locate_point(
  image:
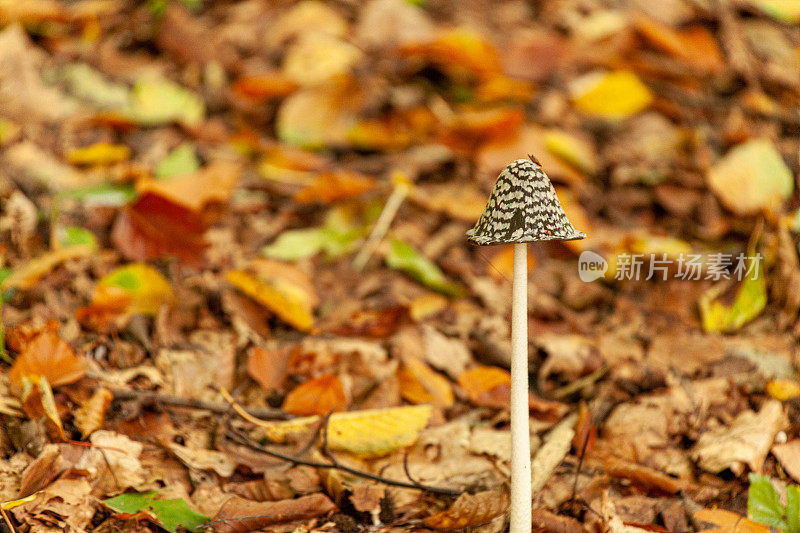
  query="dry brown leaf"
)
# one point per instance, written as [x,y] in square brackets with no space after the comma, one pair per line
[746,442]
[213,184]
[470,510]
[201,459]
[320,396]
[267,366]
[238,515]
[788,455]
[30,273]
[65,505]
[90,415]
[49,356]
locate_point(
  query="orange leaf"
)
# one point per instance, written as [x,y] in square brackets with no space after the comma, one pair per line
[264,87]
[729,522]
[502,88]
[154,226]
[49,356]
[318,396]
[267,367]
[375,323]
[421,384]
[332,186]
[487,386]
[459,51]
[474,128]
[694,45]
[213,184]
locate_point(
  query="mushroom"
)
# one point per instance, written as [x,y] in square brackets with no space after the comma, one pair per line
[522,208]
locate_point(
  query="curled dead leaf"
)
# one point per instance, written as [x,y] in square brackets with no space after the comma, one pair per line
[90,415]
[238,515]
[47,355]
[470,510]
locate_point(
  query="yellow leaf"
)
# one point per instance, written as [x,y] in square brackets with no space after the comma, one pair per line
[426,306]
[573,150]
[750,298]
[99,154]
[29,274]
[369,433]
[316,58]
[143,288]
[421,384]
[10,505]
[290,301]
[783,389]
[729,522]
[461,203]
[611,95]
[785,10]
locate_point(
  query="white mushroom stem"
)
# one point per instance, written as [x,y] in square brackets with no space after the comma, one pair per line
[520,421]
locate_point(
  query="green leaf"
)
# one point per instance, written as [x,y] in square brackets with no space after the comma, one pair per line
[179,162]
[168,513]
[750,299]
[160,101]
[793,509]
[72,236]
[404,258]
[106,194]
[295,244]
[762,503]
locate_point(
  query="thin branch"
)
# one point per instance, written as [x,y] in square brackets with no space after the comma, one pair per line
[177,401]
[334,464]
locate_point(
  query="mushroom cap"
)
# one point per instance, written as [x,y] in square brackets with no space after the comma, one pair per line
[523,207]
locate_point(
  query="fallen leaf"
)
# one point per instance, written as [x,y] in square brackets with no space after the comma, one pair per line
[555,447]
[202,459]
[403,257]
[783,389]
[472,129]
[745,442]
[420,384]
[788,455]
[610,95]
[238,515]
[785,10]
[212,185]
[160,101]
[89,417]
[317,117]
[485,386]
[180,161]
[37,402]
[368,433]
[459,52]
[292,300]
[99,154]
[65,505]
[749,300]
[308,15]
[316,58]
[375,323]
[460,203]
[169,514]
[470,510]
[139,286]
[331,186]
[751,177]
[74,236]
[48,356]
[729,522]
[264,87]
[29,274]
[319,396]
[154,226]
[573,150]
[267,366]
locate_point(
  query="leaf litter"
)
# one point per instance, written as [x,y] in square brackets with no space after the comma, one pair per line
[271,198]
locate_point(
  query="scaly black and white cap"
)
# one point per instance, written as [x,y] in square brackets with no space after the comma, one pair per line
[523,207]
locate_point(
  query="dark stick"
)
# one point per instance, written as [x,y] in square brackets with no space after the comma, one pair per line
[334,464]
[176,401]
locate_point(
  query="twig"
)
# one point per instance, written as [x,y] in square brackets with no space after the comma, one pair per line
[578,468]
[399,193]
[7,520]
[334,464]
[176,401]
